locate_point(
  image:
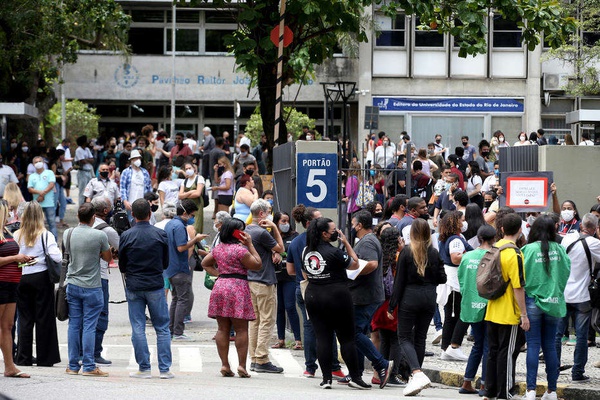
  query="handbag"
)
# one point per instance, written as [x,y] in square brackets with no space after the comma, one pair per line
[54,267]
[195,262]
[366,194]
[60,295]
[209,281]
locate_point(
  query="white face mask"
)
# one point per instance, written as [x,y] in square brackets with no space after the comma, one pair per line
[501,139]
[308,137]
[464,227]
[38,165]
[13,146]
[270,217]
[137,163]
[285,228]
[523,138]
[215,228]
[530,220]
[25,149]
[189,172]
[567,215]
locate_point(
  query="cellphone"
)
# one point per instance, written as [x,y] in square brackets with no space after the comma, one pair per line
[238,235]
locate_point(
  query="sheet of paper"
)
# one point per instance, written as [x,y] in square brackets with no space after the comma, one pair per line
[352,274]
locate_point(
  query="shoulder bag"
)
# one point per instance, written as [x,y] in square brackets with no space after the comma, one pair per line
[54,267]
[60,296]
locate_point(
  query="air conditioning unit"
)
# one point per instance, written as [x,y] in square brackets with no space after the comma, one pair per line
[555,81]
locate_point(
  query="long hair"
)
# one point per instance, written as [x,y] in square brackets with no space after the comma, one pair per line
[32,224]
[315,231]
[164,173]
[226,232]
[3,218]
[227,163]
[420,240]
[543,231]
[389,245]
[474,218]
[449,225]
[12,195]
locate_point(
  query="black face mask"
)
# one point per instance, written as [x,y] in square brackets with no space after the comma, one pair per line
[438,140]
[485,153]
[424,216]
[487,204]
[378,215]
[220,170]
[104,174]
[334,237]
[465,143]
[154,207]
[249,172]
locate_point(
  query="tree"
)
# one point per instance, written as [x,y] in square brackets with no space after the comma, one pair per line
[294,121]
[81,120]
[37,36]
[317,24]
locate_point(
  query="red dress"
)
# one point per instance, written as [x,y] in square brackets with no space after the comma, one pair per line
[230,297]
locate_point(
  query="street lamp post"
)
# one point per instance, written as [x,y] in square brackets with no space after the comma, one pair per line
[346,90]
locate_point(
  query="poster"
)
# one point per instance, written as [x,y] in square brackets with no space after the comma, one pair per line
[526,191]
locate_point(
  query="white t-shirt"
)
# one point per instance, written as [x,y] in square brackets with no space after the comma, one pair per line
[192,144]
[586,143]
[66,164]
[190,182]
[136,190]
[576,290]
[6,175]
[489,183]
[83,154]
[171,190]
[472,183]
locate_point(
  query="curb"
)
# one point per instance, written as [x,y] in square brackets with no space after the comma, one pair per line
[568,392]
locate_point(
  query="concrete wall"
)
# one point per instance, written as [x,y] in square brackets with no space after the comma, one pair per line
[575,173]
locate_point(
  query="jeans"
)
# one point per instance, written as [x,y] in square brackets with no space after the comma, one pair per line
[83,178]
[85,305]
[542,333]
[61,200]
[479,353]
[50,213]
[310,340]
[437,319]
[286,301]
[181,284]
[363,315]
[102,320]
[156,302]
[582,313]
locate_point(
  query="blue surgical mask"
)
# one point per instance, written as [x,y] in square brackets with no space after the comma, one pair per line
[496,171]
[174,176]
[372,172]
[270,202]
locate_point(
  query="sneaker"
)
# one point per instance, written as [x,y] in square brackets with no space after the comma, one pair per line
[339,374]
[102,361]
[396,381]
[306,373]
[455,354]
[96,372]
[359,384]
[384,374]
[69,200]
[148,321]
[549,396]
[325,384]
[581,379]
[428,354]
[375,381]
[71,372]
[182,338]
[417,382]
[571,342]
[268,367]
[530,395]
[253,367]
[141,374]
[596,365]
[564,339]
[187,319]
[565,367]
[166,375]
[470,338]
[345,380]
[438,339]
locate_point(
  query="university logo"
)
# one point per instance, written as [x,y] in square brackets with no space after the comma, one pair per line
[314,263]
[126,76]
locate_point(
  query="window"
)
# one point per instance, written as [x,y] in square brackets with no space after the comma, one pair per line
[215,41]
[392,30]
[506,33]
[186,40]
[148,15]
[185,16]
[590,38]
[146,40]
[426,38]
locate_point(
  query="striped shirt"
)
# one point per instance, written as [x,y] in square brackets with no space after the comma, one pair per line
[9,272]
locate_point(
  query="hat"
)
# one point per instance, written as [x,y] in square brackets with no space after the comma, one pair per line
[135,154]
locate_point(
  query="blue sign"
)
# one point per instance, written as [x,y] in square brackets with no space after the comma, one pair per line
[462,104]
[316,179]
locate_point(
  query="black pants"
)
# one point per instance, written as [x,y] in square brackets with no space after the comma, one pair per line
[415,312]
[331,311]
[35,302]
[454,329]
[504,343]
[390,348]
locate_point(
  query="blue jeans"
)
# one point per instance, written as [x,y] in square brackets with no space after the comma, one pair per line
[286,301]
[310,340]
[363,314]
[542,333]
[102,320]
[85,305]
[61,199]
[159,314]
[582,313]
[437,319]
[50,213]
[478,354]
[83,178]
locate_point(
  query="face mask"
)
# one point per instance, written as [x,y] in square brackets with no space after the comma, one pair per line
[112,168]
[438,140]
[530,220]
[270,217]
[431,151]
[13,146]
[372,137]
[104,174]
[464,227]
[372,172]
[501,139]
[220,170]
[567,215]
[25,149]
[334,237]
[243,154]
[447,186]
[386,143]
[496,171]
[424,216]
[485,153]
[249,172]
[137,163]
[309,138]
[215,228]
[121,141]
[465,143]
[522,138]
[378,215]
[154,207]
[487,204]
[189,172]
[270,202]
[468,171]
[174,176]
[285,228]
[38,165]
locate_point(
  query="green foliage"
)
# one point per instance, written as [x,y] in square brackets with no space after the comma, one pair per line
[295,120]
[81,120]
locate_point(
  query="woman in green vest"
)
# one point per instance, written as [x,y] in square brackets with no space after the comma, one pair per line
[547,268]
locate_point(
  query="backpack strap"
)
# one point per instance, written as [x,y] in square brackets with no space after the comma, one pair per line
[586,248]
[102,226]
[519,260]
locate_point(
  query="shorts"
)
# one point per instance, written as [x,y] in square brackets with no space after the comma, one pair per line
[8,292]
[226,200]
[167,284]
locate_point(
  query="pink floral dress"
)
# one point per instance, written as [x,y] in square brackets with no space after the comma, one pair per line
[230,297]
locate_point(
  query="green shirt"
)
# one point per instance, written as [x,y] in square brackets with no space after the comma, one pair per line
[472,306]
[86,245]
[547,288]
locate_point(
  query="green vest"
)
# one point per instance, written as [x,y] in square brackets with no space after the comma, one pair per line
[472,306]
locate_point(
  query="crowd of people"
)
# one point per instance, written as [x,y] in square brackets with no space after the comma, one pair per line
[373,285]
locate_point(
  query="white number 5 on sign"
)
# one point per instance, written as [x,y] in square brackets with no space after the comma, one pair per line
[314,181]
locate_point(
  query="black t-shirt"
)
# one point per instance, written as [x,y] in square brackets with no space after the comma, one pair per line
[326,265]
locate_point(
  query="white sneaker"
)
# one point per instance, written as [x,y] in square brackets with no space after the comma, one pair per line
[141,374]
[530,395]
[456,354]
[417,382]
[438,339]
[549,396]
[166,375]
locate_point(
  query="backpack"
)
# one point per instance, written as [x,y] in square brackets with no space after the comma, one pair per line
[366,194]
[120,221]
[205,199]
[490,282]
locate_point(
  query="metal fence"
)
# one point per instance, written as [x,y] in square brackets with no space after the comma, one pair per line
[520,158]
[284,176]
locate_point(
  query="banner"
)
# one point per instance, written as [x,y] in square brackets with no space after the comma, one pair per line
[462,104]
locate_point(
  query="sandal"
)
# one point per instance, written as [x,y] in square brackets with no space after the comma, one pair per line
[227,372]
[298,346]
[279,345]
[243,373]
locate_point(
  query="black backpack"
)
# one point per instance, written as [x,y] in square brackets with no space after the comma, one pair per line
[120,221]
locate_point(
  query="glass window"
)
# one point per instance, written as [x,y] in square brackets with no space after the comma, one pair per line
[148,111]
[215,40]
[392,30]
[146,40]
[424,38]
[109,110]
[186,40]
[590,38]
[506,33]
[219,17]
[219,112]
[148,15]
[185,16]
